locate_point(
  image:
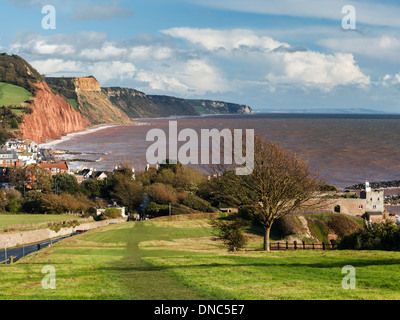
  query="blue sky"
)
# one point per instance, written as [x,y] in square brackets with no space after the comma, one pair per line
[271,55]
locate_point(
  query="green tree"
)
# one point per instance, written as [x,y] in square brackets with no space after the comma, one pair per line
[14,124]
[231,232]
[127,190]
[91,187]
[65,182]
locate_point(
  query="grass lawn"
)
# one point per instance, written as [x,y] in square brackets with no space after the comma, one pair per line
[157,260]
[30,221]
[12,95]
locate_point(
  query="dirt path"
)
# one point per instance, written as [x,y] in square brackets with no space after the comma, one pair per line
[307,229]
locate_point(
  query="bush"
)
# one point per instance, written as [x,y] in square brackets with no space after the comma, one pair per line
[381,236]
[161,193]
[231,232]
[112,213]
[155,210]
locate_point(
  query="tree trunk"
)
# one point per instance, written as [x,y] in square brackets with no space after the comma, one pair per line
[266,239]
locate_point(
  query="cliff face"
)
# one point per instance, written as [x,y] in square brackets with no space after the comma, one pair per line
[218,107]
[137,104]
[51,118]
[88,98]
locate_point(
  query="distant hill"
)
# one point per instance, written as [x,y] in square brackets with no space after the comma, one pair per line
[137,104]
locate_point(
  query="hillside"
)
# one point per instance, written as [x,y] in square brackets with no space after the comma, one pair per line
[42,115]
[137,104]
[86,96]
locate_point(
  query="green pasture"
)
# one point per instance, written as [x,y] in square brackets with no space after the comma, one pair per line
[157,260]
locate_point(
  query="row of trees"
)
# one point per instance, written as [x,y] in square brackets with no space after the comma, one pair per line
[281,183]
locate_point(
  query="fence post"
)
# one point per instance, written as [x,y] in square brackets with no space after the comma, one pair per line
[278,246]
[313,246]
[323,245]
[287,245]
[304,245]
[295,245]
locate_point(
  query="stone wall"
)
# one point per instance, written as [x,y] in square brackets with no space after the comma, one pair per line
[17,238]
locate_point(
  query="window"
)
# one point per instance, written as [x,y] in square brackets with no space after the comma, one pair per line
[374,206]
[360,206]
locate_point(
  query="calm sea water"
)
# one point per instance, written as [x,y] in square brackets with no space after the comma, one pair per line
[345,149]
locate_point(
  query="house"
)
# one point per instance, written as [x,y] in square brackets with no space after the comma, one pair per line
[100,175]
[10,159]
[55,167]
[20,145]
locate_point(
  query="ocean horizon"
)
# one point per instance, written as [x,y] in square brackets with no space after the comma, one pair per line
[345,149]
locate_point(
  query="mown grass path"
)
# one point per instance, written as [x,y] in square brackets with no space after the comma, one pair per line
[144,281]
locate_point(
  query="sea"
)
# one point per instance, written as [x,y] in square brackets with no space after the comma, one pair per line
[345,149]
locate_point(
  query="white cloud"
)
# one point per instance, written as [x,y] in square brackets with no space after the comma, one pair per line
[192,77]
[54,66]
[279,62]
[228,40]
[317,69]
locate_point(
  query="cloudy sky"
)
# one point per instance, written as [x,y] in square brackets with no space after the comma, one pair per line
[272,55]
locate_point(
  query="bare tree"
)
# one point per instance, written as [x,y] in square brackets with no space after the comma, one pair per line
[281,183]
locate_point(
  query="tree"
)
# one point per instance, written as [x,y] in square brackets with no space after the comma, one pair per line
[91,187]
[127,190]
[161,193]
[231,232]
[65,182]
[281,183]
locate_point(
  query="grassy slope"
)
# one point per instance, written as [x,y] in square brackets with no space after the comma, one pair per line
[150,260]
[30,221]
[12,95]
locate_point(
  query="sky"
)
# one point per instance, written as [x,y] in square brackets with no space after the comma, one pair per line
[271,55]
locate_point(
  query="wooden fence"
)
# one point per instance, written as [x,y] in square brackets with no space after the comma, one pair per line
[8,261]
[301,246]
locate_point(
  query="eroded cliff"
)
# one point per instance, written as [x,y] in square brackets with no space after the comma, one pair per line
[86,95]
[52,117]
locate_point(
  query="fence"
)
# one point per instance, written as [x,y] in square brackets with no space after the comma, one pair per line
[8,261]
[301,246]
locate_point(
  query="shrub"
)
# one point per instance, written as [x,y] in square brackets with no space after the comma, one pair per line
[381,236]
[161,193]
[231,232]
[155,210]
[112,213]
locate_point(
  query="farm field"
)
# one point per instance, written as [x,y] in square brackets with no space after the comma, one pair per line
[12,95]
[178,260]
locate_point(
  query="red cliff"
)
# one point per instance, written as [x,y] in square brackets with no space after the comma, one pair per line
[52,117]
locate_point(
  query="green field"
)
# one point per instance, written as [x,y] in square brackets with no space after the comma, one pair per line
[12,95]
[157,260]
[30,221]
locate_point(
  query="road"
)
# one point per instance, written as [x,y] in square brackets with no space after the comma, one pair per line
[20,252]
